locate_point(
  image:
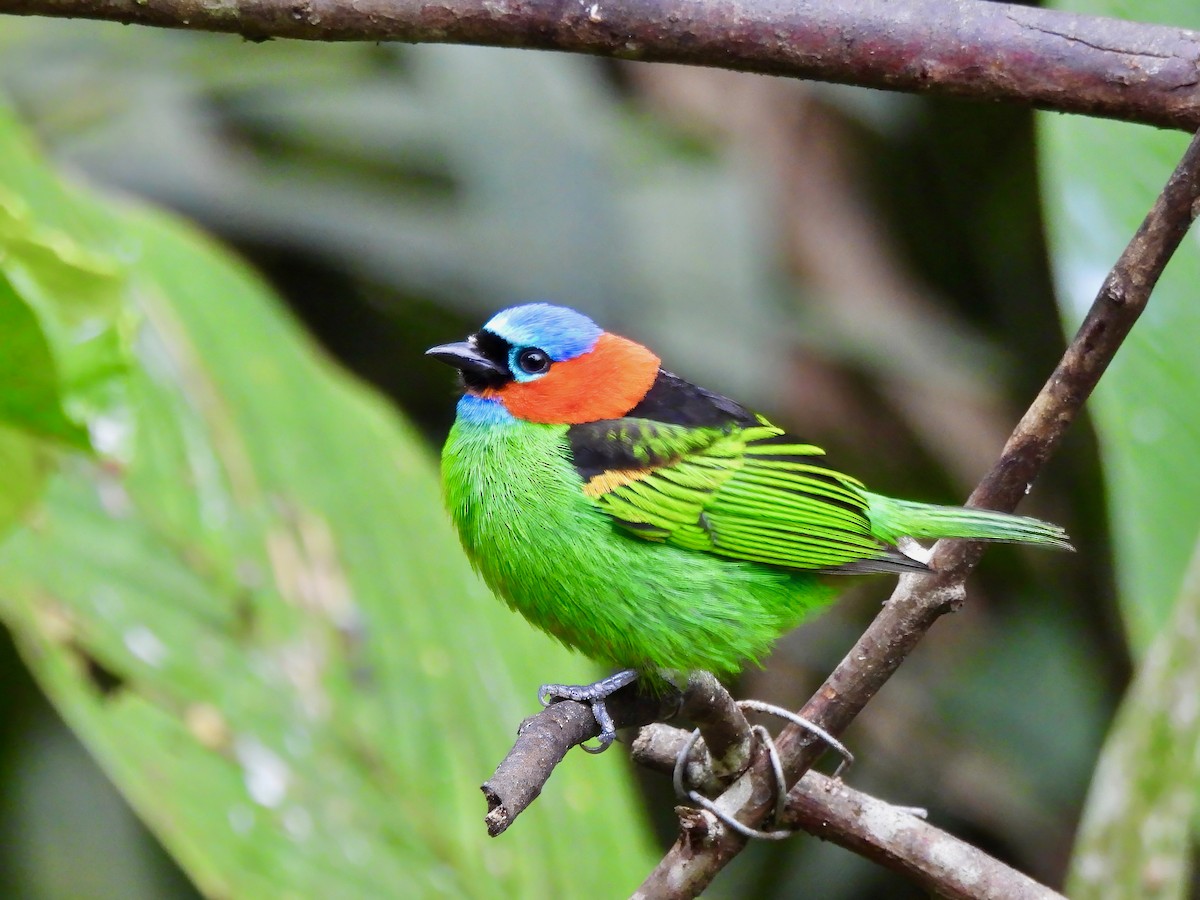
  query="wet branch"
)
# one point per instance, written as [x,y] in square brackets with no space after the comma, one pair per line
[919,601]
[968,48]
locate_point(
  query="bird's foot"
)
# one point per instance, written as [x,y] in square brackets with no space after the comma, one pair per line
[594,694]
[781,789]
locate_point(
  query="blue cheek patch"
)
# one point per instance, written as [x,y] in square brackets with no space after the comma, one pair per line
[475,410]
[563,333]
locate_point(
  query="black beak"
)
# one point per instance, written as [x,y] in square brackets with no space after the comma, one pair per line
[464,357]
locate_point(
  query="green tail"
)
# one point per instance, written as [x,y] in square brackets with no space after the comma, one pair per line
[892,519]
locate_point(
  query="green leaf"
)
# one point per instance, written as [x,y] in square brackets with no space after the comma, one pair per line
[66,320]
[1135,837]
[29,384]
[65,323]
[262,625]
[24,464]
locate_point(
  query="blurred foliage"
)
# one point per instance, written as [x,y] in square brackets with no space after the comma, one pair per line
[875,275]
[1148,437]
[417,170]
[1136,835]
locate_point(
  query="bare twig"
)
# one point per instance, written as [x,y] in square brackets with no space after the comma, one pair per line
[969,48]
[920,600]
[543,740]
[889,835]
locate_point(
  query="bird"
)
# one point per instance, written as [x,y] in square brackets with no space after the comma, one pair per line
[652,524]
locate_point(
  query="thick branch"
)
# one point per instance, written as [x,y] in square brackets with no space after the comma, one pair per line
[918,601]
[886,834]
[968,48]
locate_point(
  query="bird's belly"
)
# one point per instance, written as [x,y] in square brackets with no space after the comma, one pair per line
[561,562]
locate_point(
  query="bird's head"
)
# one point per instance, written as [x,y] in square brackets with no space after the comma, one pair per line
[552,365]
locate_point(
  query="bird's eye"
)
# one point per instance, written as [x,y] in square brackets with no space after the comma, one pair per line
[533,361]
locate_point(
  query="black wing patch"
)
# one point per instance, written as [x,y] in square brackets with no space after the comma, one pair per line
[678,402]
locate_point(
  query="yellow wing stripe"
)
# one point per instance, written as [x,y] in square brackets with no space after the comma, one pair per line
[607,482]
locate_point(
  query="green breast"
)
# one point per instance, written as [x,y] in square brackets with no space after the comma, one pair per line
[556,558]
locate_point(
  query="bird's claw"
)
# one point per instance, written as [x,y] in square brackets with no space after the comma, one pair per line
[594,695]
[608,731]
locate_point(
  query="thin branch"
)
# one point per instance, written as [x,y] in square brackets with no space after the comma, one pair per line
[889,835]
[967,48]
[543,740]
[919,601]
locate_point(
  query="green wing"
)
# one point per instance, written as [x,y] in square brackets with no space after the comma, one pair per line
[752,493]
